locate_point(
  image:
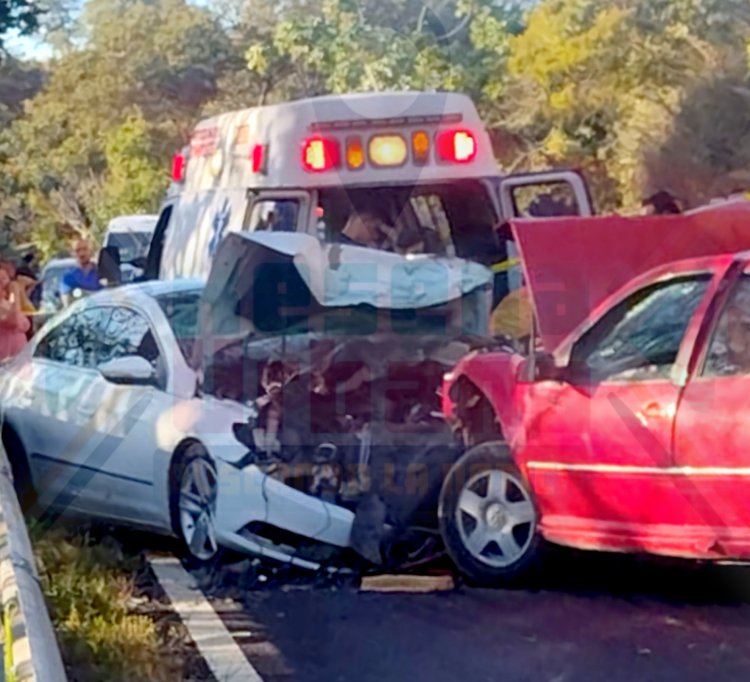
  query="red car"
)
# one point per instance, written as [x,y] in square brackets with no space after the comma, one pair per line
[630,432]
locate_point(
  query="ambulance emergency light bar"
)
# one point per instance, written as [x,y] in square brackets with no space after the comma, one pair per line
[321,153]
[387,150]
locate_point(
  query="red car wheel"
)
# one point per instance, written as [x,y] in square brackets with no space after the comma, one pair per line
[488,518]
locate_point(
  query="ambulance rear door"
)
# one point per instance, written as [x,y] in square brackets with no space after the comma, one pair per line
[529,195]
[544,194]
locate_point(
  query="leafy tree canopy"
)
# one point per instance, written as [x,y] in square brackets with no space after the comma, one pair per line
[640,94]
[119,106]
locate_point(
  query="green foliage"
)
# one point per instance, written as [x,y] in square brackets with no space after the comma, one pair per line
[368,45]
[89,589]
[627,90]
[111,114]
[599,83]
[58,24]
[135,179]
[18,82]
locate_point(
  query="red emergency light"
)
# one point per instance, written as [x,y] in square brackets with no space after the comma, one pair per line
[179,164]
[456,146]
[258,158]
[320,154]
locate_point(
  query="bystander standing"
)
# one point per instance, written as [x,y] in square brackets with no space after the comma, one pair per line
[84,277]
[13,323]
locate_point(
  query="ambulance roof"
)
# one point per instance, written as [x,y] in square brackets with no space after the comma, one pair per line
[265,147]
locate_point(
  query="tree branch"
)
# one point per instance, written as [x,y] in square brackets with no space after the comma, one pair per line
[422,17]
[457,29]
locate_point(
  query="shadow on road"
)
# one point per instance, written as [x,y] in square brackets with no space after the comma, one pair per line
[573,572]
[633,577]
[588,617]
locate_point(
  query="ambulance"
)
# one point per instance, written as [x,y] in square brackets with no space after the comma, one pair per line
[418,160]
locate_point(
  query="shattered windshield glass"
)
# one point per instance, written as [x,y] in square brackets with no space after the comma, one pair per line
[641,336]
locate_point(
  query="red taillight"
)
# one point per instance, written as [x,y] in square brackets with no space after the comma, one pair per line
[258,157]
[320,154]
[457,146]
[179,162]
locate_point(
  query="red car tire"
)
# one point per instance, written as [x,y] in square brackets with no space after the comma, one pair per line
[488,519]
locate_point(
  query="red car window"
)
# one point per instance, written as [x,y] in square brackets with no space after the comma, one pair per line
[729,352]
[640,337]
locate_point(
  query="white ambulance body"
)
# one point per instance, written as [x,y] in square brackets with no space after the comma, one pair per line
[416,160]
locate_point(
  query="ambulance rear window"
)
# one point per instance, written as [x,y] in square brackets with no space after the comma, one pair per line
[274,215]
[543,200]
[430,212]
[451,219]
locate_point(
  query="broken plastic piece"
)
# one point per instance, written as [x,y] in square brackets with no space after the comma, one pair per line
[407,583]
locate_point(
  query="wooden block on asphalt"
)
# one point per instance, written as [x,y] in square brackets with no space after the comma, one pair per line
[407,583]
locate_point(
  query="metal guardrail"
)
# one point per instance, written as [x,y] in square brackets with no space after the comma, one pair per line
[30,649]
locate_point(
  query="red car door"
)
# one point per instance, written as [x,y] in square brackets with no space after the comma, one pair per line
[713,432]
[598,442]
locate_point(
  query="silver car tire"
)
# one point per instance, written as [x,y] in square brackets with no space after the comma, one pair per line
[194,496]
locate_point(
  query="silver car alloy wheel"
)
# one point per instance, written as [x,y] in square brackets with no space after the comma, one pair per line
[197,507]
[496,518]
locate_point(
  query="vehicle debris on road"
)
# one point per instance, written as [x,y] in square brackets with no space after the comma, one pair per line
[408,583]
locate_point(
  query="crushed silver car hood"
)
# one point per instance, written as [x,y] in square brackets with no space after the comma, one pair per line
[259,281]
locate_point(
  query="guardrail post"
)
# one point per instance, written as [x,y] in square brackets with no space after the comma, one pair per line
[31,651]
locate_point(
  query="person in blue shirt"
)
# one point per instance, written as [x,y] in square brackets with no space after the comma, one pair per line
[84,276]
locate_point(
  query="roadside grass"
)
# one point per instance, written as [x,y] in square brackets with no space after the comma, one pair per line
[90,587]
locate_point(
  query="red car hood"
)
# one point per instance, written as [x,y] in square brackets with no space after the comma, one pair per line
[573,264]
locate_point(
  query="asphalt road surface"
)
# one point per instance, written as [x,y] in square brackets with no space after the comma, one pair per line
[588,618]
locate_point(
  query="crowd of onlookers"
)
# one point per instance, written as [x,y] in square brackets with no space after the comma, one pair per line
[15,308]
[19,288]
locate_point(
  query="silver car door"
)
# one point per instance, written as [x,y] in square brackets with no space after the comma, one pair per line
[124,416]
[64,373]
